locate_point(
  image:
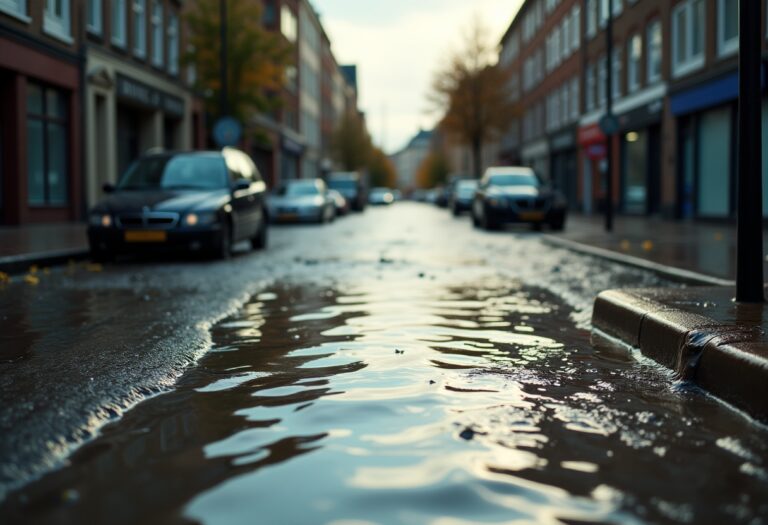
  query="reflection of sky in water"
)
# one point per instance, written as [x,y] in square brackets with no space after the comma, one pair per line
[414,406]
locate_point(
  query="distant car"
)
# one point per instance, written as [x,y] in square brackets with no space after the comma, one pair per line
[351,185]
[516,194]
[302,200]
[342,205]
[198,201]
[462,196]
[397,194]
[441,196]
[381,196]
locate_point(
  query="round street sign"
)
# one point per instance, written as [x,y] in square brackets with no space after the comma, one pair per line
[609,124]
[227,132]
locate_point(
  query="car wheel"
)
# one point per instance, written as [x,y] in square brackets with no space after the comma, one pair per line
[475,220]
[558,224]
[487,223]
[223,248]
[259,241]
[455,211]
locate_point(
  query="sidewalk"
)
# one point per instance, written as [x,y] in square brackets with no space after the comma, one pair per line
[698,332]
[704,248]
[41,244]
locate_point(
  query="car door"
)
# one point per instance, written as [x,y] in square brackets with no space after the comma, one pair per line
[240,201]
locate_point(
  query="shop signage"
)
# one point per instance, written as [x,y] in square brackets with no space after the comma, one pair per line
[640,117]
[292,146]
[144,95]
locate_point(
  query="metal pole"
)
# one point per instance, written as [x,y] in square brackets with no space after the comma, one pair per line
[223,100]
[749,252]
[609,111]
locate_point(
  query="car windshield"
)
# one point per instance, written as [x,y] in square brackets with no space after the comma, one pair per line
[513,179]
[342,184]
[466,185]
[181,172]
[298,189]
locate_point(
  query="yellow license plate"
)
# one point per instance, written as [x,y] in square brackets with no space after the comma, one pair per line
[145,236]
[532,216]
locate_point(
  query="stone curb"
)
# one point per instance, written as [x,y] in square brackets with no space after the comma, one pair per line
[728,361]
[15,264]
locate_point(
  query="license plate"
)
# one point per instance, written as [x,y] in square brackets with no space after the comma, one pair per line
[532,216]
[145,236]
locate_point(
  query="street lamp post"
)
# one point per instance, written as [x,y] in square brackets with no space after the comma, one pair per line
[749,256]
[223,102]
[609,117]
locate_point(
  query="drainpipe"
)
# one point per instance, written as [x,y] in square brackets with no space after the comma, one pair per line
[609,114]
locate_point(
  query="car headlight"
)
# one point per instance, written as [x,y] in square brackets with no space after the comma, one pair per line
[199,219]
[100,219]
[318,201]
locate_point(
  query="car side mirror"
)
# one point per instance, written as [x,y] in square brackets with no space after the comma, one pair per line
[242,184]
[108,188]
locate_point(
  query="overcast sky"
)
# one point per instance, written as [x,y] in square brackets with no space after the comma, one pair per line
[397,46]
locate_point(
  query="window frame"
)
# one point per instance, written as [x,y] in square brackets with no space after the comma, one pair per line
[95,10]
[173,42]
[58,26]
[16,8]
[119,38]
[690,62]
[651,77]
[139,14]
[726,47]
[157,37]
[634,61]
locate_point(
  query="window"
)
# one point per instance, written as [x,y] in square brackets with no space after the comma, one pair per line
[157,33]
[688,36]
[591,18]
[288,24]
[616,72]
[653,40]
[191,67]
[635,55]
[590,87]
[47,145]
[576,28]
[118,22]
[173,44]
[140,28]
[17,8]
[93,15]
[602,75]
[56,19]
[727,27]
[574,98]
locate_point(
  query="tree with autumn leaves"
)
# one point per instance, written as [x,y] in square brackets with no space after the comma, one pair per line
[472,93]
[257,58]
[353,150]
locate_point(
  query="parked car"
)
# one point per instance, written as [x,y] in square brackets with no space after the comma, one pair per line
[381,196]
[351,185]
[516,194]
[342,204]
[199,201]
[302,200]
[462,196]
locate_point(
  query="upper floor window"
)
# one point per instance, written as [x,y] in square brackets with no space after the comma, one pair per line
[157,33]
[140,28]
[173,44]
[591,18]
[590,87]
[616,73]
[727,26]
[653,41]
[688,28]
[94,16]
[576,27]
[118,22]
[56,18]
[288,24]
[635,55]
[16,8]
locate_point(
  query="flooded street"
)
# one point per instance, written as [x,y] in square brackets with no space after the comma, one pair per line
[395,367]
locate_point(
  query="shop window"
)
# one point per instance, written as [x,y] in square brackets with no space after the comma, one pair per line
[140,28]
[56,19]
[157,33]
[118,23]
[47,145]
[16,8]
[688,29]
[173,44]
[727,27]
[714,163]
[94,16]
[616,72]
[653,41]
[635,55]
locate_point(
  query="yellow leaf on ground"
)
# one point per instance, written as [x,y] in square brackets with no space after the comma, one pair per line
[31,279]
[94,267]
[4,278]
[33,269]
[647,246]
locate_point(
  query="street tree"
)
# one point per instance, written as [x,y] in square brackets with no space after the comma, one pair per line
[257,58]
[433,170]
[351,144]
[472,93]
[381,170]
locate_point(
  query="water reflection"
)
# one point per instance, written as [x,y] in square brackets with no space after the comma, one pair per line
[414,404]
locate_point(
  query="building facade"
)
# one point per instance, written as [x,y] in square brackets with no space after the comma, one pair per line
[674,88]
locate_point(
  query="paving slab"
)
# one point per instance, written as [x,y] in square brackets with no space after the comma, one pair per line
[700,333]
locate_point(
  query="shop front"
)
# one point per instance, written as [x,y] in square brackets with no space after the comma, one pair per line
[564,168]
[536,156]
[592,152]
[39,135]
[640,159]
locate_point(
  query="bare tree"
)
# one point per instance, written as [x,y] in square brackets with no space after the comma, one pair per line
[471,92]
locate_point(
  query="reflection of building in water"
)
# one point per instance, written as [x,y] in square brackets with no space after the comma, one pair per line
[674,76]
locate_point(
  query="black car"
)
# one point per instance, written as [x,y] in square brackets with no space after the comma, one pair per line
[198,201]
[351,185]
[516,194]
[462,196]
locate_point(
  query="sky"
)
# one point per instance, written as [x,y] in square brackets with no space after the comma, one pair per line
[398,45]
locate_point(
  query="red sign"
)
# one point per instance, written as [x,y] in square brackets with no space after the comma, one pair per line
[590,135]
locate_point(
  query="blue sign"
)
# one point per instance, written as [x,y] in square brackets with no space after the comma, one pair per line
[227,132]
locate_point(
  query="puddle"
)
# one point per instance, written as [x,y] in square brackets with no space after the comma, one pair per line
[413,404]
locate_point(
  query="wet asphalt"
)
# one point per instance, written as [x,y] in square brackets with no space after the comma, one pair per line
[89,345]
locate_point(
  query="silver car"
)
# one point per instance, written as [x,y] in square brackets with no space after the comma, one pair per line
[302,200]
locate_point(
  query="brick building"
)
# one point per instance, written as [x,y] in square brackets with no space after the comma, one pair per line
[674,92]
